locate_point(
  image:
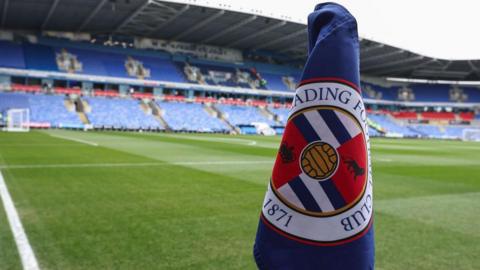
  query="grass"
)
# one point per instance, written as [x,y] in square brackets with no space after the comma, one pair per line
[160,201]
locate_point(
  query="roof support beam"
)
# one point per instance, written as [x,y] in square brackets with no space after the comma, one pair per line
[447,65]
[394,63]
[294,46]
[473,66]
[380,56]
[436,73]
[50,13]
[372,48]
[256,34]
[199,25]
[132,15]
[402,68]
[229,29]
[5,12]
[92,15]
[474,69]
[169,20]
[283,38]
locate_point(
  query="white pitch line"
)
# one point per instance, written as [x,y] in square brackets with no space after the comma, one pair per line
[75,140]
[146,164]
[29,261]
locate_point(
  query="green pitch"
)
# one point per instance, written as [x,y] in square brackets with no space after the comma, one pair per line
[159,201]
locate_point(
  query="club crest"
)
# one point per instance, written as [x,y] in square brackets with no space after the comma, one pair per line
[331,181]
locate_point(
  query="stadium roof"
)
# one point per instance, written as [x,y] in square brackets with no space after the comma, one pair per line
[215,26]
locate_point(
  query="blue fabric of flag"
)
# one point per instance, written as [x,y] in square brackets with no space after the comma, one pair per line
[333,53]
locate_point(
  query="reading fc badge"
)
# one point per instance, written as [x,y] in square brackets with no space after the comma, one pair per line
[325,196]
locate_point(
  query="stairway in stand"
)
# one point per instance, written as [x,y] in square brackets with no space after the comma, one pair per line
[157,112]
[217,113]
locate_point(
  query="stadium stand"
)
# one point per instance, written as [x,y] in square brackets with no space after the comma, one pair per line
[12,55]
[472,93]
[378,92]
[13,101]
[39,57]
[51,109]
[243,115]
[190,117]
[427,130]
[392,127]
[45,110]
[454,132]
[104,61]
[274,82]
[431,93]
[119,113]
[281,113]
[183,112]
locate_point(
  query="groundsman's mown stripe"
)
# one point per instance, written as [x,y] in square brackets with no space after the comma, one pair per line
[144,164]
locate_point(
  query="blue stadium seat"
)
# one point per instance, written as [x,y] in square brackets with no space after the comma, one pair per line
[281,113]
[190,117]
[431,92]
[243,115]
[473,94]
[39,57]
[387,93]
[12,55]
[429,131]
[13,101]
[454,132]
[51,109]
[119,113]
[391,126]
[274,82]
[43,109]
[161,69]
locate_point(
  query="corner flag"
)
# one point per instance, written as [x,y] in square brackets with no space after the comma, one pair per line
[317,213]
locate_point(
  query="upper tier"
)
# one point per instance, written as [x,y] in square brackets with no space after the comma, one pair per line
[86,58]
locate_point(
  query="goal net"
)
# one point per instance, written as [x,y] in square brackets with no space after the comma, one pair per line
[471,135]
[17,120]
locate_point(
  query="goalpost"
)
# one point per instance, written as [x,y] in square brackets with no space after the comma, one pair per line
[471,135]
[17,120]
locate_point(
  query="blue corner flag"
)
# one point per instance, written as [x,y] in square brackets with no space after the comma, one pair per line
[317,212]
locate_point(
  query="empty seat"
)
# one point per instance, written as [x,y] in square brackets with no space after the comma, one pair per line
[120,114]
[190,117]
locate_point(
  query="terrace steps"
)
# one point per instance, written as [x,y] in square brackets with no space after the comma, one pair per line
[157,112]
[85,106]
[69,104]
[81,107]
[267,113]
[219,114]
[146,108]
[208,108]
[83,117]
